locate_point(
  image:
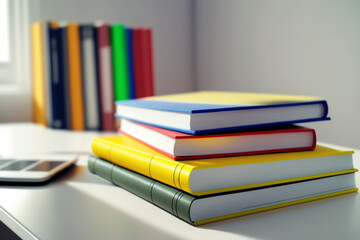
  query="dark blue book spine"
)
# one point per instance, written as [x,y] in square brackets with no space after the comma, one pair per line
[57,82]
[64,74]
[96,55]
[129,47]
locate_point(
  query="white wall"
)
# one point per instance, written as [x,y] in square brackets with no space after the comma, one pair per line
[308,47]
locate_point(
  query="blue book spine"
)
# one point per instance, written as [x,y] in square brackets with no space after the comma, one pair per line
[64,75]
[57,81]
[129,47]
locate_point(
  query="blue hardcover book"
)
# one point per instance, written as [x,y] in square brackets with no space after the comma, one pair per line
[64,73]
[90,77]
[211,111]
[129,47]
[57,88]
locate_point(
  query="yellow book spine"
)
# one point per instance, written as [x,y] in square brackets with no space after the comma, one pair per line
[173,173]
[280,205]
[75,77]
[38,74]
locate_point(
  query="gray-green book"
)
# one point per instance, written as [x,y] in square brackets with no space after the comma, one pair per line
[210,208]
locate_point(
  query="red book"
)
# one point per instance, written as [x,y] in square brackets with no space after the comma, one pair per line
[182,146]
[148,62]
[138,58]
[105,77]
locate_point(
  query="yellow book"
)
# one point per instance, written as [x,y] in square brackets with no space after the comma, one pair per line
[231,98]
[39,87]
[75,78]
[215,175]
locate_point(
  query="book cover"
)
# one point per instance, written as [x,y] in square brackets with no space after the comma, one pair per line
[48,72]
[120,62]
[39,74]
[105,77]
[182,146]
[211,208]
[64,72]
[214,175]
[138,57]
[90,77]
[75,77]
[130,60]
[57,85]
[211,111]
[148,62]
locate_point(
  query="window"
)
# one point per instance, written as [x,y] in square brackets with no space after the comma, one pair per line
[4,32]
[5,66]
[14,46]
[15,71]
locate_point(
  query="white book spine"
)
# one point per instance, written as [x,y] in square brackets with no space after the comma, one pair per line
[90,82]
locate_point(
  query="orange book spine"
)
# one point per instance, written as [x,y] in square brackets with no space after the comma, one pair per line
[54,24]
[38,74]
[75,78]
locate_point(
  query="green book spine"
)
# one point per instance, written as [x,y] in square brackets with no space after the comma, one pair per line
[168,198]
[120,64]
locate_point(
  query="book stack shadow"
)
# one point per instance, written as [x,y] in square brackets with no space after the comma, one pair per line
[210,156]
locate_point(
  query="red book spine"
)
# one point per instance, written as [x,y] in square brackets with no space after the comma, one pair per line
[148,62]
[105,78]
[138,63]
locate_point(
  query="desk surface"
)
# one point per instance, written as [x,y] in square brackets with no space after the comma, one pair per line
[79,205]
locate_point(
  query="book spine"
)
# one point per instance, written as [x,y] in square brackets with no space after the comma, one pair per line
[57,83]
[47,68]
[175,174]
[38,77]
[75,77]
[326,110]
[53,81]
[64,75]
[171,200]
[138,63]
[130,60]
[97,71]
[90,81]
[120,65]
[148,62]
[314,137]
[105,78]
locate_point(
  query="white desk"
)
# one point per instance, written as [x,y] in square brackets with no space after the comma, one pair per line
[79,205]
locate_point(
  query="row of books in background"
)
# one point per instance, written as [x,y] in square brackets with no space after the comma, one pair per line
[80,70]
[243,155]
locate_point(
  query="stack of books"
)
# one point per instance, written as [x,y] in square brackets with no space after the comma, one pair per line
[209,156]
[79,70]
